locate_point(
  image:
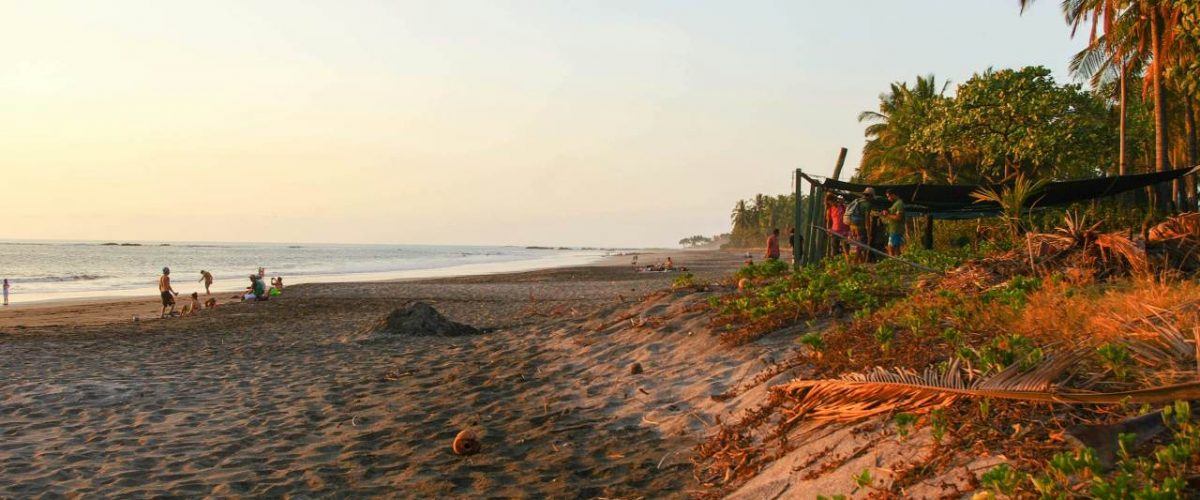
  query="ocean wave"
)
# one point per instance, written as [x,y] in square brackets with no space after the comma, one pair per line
[60,278]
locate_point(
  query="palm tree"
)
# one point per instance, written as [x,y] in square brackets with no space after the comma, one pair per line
[1147,29]
[1101,62]
[740,215]
[890,153]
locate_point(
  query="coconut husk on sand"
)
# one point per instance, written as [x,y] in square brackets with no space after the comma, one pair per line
[418,319]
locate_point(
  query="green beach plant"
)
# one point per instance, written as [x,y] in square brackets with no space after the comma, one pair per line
[1014,201]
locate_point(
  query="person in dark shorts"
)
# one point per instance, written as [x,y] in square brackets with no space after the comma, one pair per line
[166,292]
[894,218]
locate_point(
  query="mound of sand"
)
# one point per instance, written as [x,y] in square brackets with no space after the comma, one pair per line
[418,319]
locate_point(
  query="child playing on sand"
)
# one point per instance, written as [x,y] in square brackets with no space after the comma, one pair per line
[166,292]
[206,278]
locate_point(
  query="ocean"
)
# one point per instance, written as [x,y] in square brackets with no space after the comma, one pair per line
[52,270]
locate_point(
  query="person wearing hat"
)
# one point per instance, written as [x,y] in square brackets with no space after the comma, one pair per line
[836,221]
[856,217]
[166,292]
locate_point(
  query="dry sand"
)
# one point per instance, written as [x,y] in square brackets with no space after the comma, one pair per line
[287,398]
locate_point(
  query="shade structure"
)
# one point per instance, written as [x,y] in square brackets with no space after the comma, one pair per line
[955,201]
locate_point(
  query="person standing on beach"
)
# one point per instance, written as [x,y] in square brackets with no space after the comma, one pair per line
[773,245]
[835,220]
[6,291]
[894,217]
[856,216]
[207,279]
[166,292]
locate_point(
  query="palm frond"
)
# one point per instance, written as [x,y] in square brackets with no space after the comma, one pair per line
[860,395]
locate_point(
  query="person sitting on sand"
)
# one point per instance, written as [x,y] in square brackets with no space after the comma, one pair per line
[773,245]
[670,265]
[191,308]
[206,278]
[166,292]
[256,291]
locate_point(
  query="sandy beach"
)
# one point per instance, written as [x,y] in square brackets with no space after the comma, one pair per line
[292,398]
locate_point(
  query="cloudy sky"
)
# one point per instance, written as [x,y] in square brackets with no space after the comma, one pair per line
[621,123]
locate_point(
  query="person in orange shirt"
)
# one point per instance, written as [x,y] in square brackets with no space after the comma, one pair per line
[773,245]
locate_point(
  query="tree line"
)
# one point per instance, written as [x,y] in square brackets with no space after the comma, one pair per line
[1137,114]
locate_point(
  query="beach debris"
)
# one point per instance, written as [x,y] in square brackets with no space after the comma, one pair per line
[635,369]
[419,319]
[1099,438]
[466,443]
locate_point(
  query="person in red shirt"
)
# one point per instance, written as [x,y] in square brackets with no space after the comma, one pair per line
[773,245]
[835,220]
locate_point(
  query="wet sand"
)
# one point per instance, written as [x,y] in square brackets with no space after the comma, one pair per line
[290,398]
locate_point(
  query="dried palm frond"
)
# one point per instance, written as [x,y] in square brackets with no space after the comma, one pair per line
[1117,249]
[860,395]
[1182,226]
[1155,338]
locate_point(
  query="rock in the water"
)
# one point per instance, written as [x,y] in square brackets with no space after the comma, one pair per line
[419,319]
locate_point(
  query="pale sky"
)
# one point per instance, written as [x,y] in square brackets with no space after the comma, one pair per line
[606,123]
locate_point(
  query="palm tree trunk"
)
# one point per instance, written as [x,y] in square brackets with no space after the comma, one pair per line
[1161,162]
[1193,155]
[1122,159]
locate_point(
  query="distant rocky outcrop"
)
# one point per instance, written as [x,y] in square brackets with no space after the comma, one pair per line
[417,319]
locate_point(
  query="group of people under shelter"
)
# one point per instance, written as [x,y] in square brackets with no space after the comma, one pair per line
[257,291]
[850,223]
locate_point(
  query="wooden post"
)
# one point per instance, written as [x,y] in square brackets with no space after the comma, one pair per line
[837,174]
[927,238]
[837,169]
[798,224]
[810,220]
[821,243]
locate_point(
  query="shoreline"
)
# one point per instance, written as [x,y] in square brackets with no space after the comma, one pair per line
[106,308]
[500,267]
